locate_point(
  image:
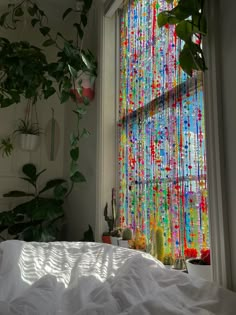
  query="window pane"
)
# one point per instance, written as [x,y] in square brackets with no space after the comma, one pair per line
[162,159]
[149,64]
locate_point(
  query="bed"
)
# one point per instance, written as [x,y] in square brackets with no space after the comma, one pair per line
[81,278]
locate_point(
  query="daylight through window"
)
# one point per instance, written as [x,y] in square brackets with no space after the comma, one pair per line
[162,157]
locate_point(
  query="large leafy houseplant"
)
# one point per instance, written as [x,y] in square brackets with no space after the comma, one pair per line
[191,26]
[37,218]
[71,63]
[24,73]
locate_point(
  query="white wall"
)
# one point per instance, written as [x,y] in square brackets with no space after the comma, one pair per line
[227,65]
[81,205]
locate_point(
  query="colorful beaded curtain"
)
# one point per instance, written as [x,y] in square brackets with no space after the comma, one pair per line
[162,159]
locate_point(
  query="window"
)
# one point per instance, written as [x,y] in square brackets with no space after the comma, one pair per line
[162,158]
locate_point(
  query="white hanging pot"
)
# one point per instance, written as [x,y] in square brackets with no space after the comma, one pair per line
[28,142]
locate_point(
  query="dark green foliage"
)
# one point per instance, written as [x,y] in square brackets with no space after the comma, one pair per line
[127,234]
[38,218]
[191,24]
[88,235]
[25,71]
[6,145]
[26,127]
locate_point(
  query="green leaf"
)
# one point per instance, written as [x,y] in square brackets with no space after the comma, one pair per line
[73,140]
[73,168]
[167,17]
[17,193]
[181,12]
[32,10]
[67,83]
[64,96]
[44,30]
[79,30]
[84,19]
[30,171]
[80,110]
[184,30]
[85,133]
[74,153]
[186,60]
[87,4]
[19,12]
[34,22]
[200,24]
[47,209]
[78,177]
[49,92]
[86,101]
[49,42]
[3,18]
[68,11]
[60,191]
[162,18]
[51,184]
[18,228]
[73,71]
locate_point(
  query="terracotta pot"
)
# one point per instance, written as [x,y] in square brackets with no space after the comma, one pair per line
[106,239]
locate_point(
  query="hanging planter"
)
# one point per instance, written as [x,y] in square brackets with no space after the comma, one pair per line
[29,142]
[85,87]
[28,130]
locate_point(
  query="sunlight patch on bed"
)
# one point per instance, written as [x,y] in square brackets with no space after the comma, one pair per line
[70,261]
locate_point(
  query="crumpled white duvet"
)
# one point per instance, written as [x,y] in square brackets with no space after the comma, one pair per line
[99,279]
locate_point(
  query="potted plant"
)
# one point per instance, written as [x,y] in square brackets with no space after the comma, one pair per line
[200,267]
[127,236]
[38,218]
[28,135]
[139,241]
[6,146]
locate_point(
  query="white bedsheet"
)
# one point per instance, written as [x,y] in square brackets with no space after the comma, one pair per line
[92,278]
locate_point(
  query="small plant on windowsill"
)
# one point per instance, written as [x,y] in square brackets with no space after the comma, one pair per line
[200,267]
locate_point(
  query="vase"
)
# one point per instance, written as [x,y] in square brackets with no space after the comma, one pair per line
[28,142]
[196,270]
